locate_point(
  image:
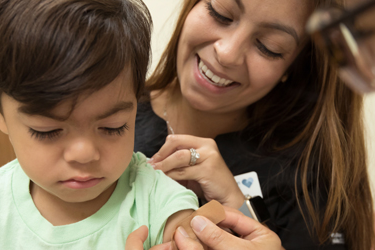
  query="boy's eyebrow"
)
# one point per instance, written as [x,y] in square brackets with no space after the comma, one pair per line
[122,106]
[46,114]
[240,5]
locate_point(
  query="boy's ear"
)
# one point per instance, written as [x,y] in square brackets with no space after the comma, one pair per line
[3,125]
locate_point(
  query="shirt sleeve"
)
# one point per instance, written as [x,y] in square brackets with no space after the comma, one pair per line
[160,197]
[169,198]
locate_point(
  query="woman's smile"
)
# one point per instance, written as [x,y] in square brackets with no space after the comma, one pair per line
[211,76]
[204,75]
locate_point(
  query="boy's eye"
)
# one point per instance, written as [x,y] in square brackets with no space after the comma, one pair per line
[116,131]
[220,18]
[39,135]
[263,49]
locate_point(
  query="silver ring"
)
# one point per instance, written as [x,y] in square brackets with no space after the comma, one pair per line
[194,155]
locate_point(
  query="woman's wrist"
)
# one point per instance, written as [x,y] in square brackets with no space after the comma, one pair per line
[238,200]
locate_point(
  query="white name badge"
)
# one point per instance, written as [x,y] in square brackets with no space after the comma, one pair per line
[249,184]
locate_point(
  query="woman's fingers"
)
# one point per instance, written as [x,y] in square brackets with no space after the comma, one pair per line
[254,235]
[183,241]
[136,239]
[251,230]
[214,237]
[176,160]
[175,143]
[242,224]
[164,246]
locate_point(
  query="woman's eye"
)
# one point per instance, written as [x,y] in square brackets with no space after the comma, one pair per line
[116,131]
[39,135]
[220,18]
[263,49]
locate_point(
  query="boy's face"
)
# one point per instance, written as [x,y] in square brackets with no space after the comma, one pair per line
[81,158]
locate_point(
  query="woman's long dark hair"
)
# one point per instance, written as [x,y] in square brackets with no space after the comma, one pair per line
[319,112]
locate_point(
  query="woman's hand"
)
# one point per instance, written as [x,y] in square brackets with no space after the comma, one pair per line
[136,238]
[209,178]
[135,241]
[255,236]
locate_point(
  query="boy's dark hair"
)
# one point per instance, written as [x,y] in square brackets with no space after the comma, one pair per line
[53,50]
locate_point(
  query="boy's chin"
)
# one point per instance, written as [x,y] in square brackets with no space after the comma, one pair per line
[79,198]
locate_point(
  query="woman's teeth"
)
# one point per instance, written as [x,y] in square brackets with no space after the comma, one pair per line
[216,80]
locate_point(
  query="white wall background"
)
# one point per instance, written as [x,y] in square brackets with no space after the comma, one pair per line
[164,14]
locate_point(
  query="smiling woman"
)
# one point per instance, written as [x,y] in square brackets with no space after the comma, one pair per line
[233,45]
[241,83]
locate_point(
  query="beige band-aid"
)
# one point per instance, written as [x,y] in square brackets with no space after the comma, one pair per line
[213,211]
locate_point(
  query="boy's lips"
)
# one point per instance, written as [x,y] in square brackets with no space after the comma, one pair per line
[81,183]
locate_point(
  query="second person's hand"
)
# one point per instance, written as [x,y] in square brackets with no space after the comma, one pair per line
[209,178]
[254,235]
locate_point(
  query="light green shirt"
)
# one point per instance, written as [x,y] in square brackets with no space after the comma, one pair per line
[142,196]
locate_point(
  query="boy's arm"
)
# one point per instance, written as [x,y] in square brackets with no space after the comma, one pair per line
[172,223]
[213,210]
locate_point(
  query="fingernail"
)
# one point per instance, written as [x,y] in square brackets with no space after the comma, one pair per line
[156,165]
[153,166]
[198,223]
[155,157]
[150,161]
[183,232]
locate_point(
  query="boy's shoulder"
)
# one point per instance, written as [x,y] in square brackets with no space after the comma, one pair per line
[143,178]
[139,164]
[138,159]
[140,169]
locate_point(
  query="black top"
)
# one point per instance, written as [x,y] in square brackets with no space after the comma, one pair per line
[276,179]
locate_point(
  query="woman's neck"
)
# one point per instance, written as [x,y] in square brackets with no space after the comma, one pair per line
[184,119]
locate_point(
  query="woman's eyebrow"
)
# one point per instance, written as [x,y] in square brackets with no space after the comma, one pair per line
[287,29]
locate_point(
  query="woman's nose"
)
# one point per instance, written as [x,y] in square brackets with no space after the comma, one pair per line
[230,51]
[81,150]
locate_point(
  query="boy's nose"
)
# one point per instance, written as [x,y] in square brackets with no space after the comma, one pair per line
[81,151]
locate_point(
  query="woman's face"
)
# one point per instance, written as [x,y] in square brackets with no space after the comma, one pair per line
[231,53]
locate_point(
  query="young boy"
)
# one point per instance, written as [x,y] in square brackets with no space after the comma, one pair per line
[71,72]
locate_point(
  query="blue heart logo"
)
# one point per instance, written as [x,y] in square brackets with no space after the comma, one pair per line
[248,182]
